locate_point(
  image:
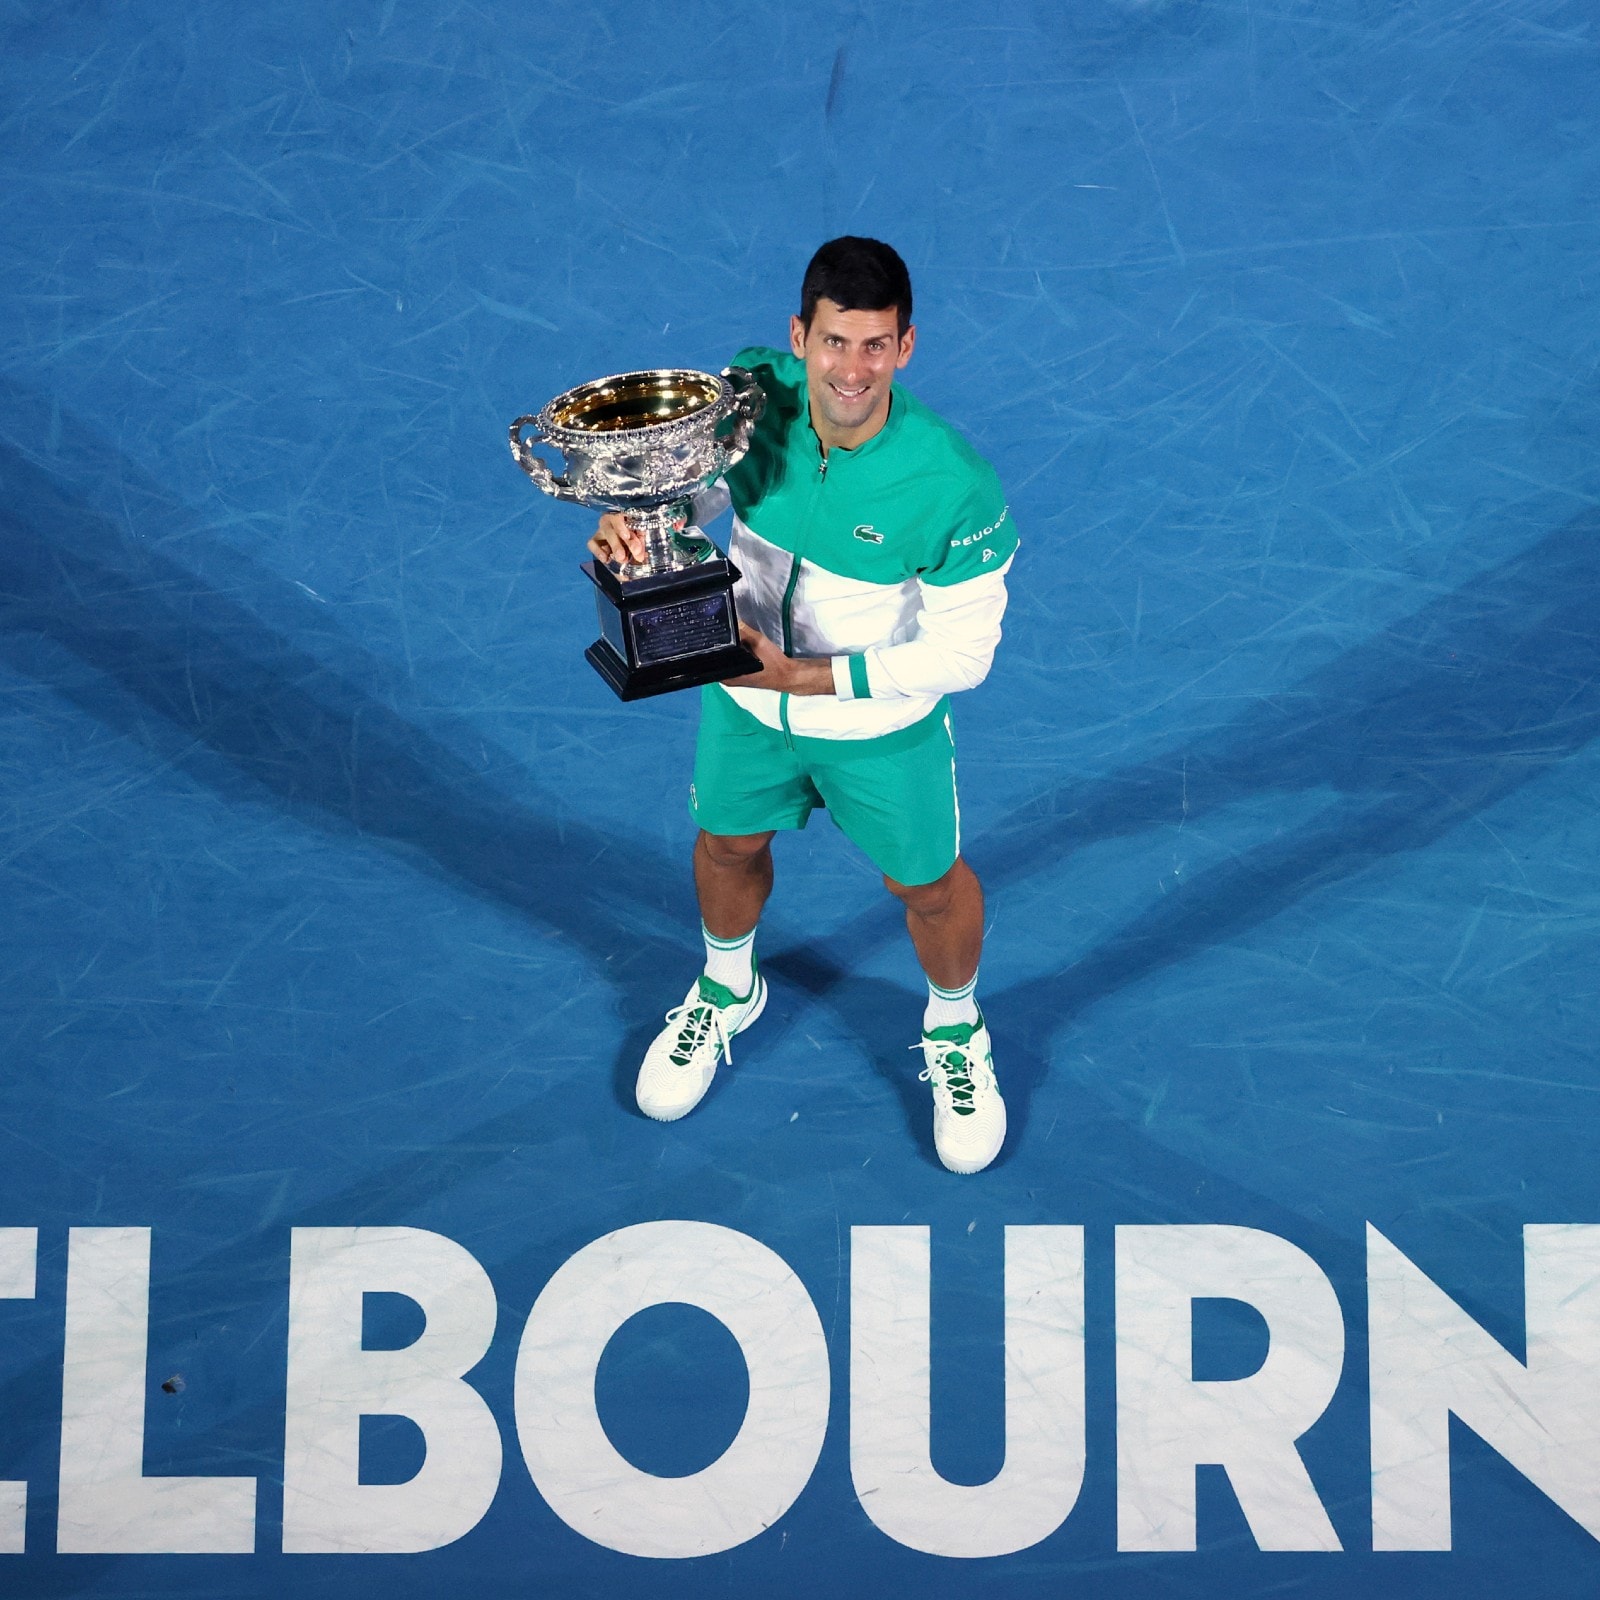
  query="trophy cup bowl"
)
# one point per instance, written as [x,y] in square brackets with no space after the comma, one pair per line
[644,443]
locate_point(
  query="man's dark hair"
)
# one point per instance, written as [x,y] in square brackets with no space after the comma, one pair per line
[857,275]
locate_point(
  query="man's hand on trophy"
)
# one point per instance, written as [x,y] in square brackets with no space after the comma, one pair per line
[615,542]
[786,674]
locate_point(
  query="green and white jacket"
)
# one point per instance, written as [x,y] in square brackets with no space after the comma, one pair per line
[890,558]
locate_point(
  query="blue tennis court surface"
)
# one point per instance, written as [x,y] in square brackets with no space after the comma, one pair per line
[341,897]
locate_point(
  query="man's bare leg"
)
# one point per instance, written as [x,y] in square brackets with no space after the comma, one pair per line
[945,920]
[732,877]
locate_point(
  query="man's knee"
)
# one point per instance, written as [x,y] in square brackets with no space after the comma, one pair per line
[928,899]
[734,849]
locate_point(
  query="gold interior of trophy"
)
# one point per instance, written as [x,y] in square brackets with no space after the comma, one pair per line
[635,400]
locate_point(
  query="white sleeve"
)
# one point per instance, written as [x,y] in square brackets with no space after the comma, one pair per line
[958,628]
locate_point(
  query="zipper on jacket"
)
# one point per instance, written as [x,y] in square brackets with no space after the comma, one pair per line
[788,637]
[788,599]
[786,609]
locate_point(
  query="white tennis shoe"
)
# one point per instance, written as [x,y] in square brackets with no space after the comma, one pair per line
[683,1058]
[969,1117]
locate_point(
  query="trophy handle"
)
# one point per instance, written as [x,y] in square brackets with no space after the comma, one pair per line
[535,466]
[749,401]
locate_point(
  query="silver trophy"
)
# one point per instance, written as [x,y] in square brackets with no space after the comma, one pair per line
[644,443]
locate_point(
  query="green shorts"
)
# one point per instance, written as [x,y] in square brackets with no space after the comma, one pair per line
[894,796]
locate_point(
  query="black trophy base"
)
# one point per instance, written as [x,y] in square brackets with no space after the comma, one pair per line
[639,683]
[672,630]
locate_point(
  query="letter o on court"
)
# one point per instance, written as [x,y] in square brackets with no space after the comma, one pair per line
[584,1479]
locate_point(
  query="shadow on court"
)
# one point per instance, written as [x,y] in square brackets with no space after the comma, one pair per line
[1425,724]
[178,664]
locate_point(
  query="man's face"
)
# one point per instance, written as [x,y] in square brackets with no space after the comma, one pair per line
[851,358]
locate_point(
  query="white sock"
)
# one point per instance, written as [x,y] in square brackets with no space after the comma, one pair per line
[949,1007]
[731,962]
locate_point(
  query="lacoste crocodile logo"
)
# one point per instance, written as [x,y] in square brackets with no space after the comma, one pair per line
[867,534]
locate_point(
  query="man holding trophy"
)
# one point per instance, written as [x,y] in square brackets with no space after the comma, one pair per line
[871,545]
